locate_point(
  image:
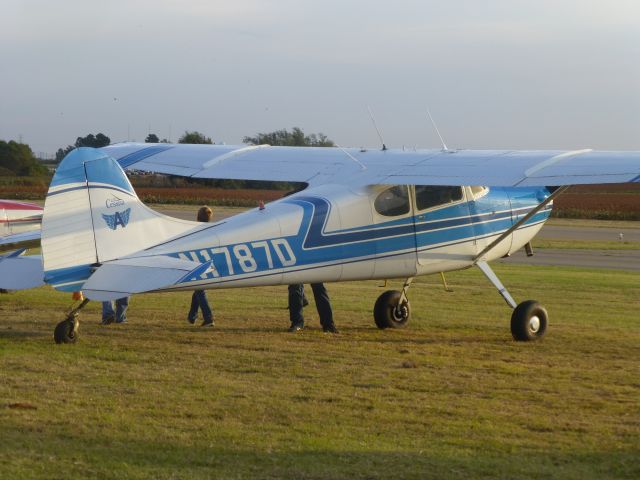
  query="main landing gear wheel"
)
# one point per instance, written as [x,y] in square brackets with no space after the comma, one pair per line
[529,321]
[67,330]
[388,312]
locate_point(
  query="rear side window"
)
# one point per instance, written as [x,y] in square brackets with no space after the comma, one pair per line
[428,196]
[478,191]
[393,201]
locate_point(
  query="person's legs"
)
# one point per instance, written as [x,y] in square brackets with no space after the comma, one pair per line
[323,305]
[207,314]
[108,315]
[193,311]
[121,309]
[295,307]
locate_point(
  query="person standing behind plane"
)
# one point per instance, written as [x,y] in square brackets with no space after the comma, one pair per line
[297,299]
[120,314]
[199,297]
[323,305]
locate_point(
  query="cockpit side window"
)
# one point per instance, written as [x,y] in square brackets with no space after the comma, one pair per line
[393,201]
[429,196]
[478,191]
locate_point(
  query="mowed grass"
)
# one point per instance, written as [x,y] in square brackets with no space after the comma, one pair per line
[450,396]
[571,244]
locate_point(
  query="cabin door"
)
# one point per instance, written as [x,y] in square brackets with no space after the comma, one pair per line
[443,229]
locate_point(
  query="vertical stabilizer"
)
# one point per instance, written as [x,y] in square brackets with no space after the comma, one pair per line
[93,215]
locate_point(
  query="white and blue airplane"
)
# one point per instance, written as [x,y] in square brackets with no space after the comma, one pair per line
[366,214]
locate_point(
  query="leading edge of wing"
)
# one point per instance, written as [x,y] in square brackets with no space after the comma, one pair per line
[317,165]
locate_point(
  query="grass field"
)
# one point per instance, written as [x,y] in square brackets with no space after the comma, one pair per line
[450,396]
[571,244]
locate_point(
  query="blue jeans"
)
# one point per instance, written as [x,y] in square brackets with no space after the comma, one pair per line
[121,310]
[323,305]
[199,300]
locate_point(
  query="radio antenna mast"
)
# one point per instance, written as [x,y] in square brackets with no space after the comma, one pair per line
[444,145]
[375,125]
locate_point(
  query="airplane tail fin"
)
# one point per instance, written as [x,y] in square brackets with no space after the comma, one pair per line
[93,215]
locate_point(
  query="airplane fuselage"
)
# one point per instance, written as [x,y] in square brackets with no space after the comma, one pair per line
[333,233]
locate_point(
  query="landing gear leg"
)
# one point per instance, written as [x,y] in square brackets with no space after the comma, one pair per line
[392,309]
[529,319]
[67,330]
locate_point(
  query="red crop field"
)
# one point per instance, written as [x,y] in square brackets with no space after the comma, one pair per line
[240,197]
[606,202]
[633,188]
[174,195]
[23,192]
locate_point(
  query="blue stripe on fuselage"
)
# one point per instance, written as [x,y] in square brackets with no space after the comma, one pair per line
[316,213]
[68,279]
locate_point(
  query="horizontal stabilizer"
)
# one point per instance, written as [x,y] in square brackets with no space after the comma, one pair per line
[121,278]
[18,272]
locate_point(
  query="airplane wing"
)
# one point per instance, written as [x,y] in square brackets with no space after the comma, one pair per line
[20,240]
[359,167]
[18,272]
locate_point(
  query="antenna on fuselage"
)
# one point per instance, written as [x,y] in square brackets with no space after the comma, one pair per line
[444,145]
[375,125]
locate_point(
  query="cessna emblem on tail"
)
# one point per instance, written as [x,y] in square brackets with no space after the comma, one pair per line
[118,218]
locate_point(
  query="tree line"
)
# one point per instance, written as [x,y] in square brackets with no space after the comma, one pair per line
[17,159]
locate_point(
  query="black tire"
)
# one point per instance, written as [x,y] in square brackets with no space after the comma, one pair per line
[529,321]
[388,314]
[65,333]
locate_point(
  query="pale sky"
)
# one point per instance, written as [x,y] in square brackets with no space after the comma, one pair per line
[494,73]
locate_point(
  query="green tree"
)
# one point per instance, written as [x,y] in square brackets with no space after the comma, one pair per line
[194,137]
[152,138]
[91,140]
[18,159]
[285,138]
[295,138]
[97,141]
[62,152]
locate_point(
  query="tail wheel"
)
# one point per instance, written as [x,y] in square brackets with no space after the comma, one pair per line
[529,321]
[388,312]
[66,332]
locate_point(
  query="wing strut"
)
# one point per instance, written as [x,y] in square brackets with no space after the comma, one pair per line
[486,269]
[519,223]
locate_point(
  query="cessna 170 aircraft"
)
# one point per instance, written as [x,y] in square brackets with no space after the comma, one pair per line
[366,214]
